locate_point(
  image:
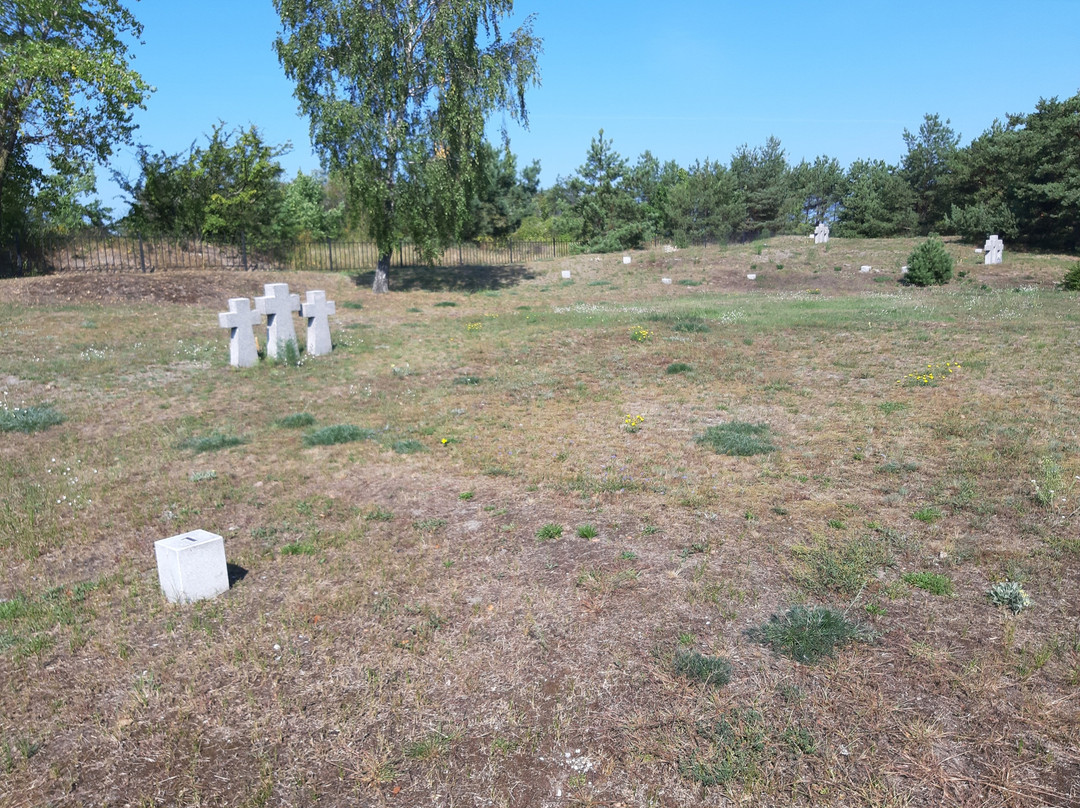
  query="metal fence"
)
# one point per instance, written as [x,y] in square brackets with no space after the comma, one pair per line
[103,252]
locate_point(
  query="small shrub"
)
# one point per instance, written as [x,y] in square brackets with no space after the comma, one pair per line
[1010,594]
[339,433]
[466,495]
[707,669]
[688,282]
[932,582]
[29,419]
[211,442]
[929,263]
[288,353]
[296,420]
[738,439]
[1071,281]
[202,476]
[407,446]
[587,532]
[378,514]
[549,531]
[808,635]
[678,367]
[690,325]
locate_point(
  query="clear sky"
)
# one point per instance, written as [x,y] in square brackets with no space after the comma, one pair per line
[685,79]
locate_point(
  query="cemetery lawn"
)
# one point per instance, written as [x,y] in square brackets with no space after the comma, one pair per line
[493,551]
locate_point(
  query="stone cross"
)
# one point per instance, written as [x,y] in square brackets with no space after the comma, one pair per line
[317,309]
[241,320]
[993,247]
[821,234]
[278,306]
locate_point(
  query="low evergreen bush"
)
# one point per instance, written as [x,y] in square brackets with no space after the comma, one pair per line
[929,263]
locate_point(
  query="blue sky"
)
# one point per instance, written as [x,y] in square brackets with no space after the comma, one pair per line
[686,80]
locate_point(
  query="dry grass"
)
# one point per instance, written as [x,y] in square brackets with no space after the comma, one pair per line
[396,633]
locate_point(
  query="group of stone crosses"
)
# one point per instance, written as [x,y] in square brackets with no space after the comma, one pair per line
[277,305]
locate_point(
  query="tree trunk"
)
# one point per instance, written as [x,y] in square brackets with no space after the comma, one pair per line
[382,274]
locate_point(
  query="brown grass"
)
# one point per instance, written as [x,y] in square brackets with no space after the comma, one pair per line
[444,654]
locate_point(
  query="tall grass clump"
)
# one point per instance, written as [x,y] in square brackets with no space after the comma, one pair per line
[29,419]
[707,669]
[296,420]
[808,635]
[737,438]
[339,433]
[212,442]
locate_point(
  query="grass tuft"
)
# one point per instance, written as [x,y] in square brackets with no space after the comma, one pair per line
[549,531]
[296,420]
[212,442]
[932,582]
[338,433]
[678,367]
[808,635]
[707,669]
[407,446]
[29,419]
[737,438]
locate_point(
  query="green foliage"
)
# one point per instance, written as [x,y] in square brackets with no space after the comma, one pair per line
[1071,281]
[737,438]
[678,367]
[397,93]
[339,433]
[296,420]
[34,418]
[549,531]
[734,747]
[707,669]
[877,203]
[929,263]
[407,446]
[927,513]
[928,166]
[765,181]
[1009,594]
[66,89]
[377,514]
[932,582]
[809,635]
[587,532]
[212,442]
[845,569]
[977,222]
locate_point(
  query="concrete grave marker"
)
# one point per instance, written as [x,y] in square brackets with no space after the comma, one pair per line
[191,566]
[566,274]
[241,320]
[864,268]
[317,309]
[994,247]
[666,281]
[752,276]
[821,234]
[626,259]
[278,306]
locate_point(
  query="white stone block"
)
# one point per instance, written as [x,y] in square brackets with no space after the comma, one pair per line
[192,566]
[864,269]
[751,277]
[626,259]
[666,281]
[566,274]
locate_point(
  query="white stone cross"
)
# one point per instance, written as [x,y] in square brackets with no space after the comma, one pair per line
[241,320]
[821,234]
[278,306]
[993,247]
[317,309]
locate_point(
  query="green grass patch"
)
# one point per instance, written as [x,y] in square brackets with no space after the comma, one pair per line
[549,531]
[338,433]
[587,532]
[689,282]
[707,669]
[928,514]
[809,635]
[407,446]
[353,304]
[844,569]
[298,548]
[678,367]
[212,442]
[29,419]
[378,514]
[737,438]
[468,380]
[296,420]
[932,582]
[732,747]
[445,304]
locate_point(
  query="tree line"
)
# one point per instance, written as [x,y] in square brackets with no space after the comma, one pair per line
[400,130]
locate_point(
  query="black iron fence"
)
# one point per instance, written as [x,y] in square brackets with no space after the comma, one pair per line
[103,252]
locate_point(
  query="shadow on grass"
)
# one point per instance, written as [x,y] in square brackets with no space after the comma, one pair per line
[236,573]
[450,279]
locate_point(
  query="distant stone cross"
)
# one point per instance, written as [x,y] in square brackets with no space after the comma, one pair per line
[241,320]
[317,309]
[278,306]
[821,234]
[993,247]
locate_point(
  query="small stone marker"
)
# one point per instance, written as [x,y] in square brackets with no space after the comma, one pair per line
[278,306]
[903,270]
[191,566]
[994,247]
[626,259]
[317,309]
[751,277]
[864,269]
[821,234]
[666,281]
[566,274]
[241,320]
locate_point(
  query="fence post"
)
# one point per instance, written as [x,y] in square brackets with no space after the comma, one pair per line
[459,261]
[243,250]
[142,256]
[330,252]
[511,242]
